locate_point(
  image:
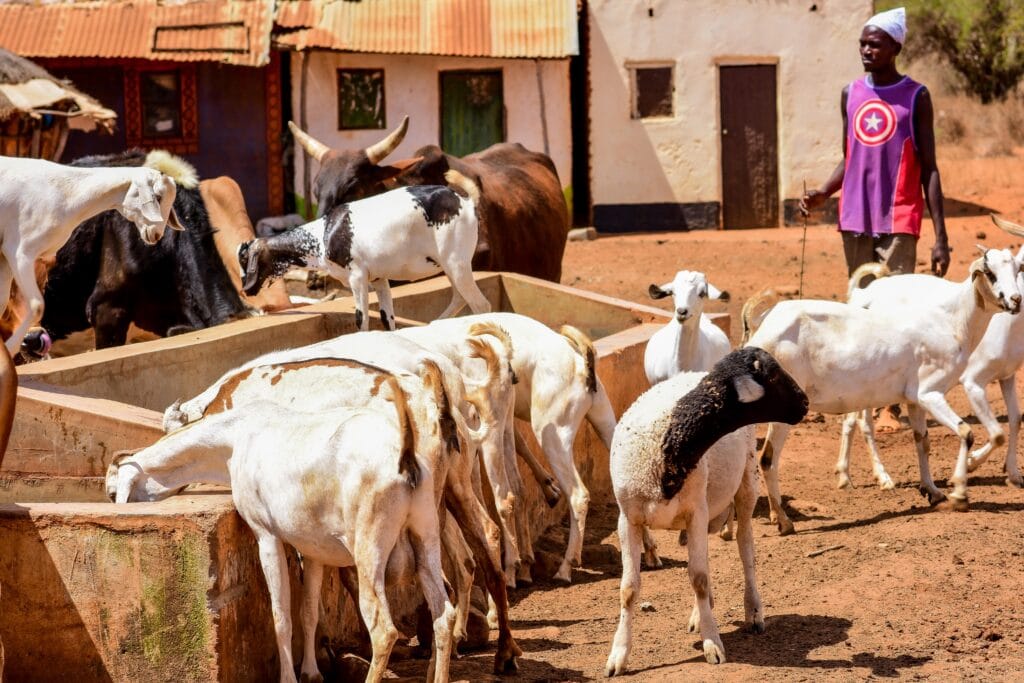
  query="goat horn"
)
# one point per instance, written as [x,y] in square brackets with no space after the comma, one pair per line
[313,147]
[378,151]
[1006,225]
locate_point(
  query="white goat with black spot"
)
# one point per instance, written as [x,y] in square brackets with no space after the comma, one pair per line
[405,234]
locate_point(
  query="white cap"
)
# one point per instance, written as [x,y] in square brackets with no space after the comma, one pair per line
[893,22]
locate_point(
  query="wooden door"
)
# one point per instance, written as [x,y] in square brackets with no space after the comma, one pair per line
[472,111]
[750,157]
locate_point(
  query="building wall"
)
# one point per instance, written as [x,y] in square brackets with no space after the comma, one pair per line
[677,160]
[411,86]
[232,123]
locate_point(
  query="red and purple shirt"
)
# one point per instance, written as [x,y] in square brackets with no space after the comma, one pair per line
[882,181]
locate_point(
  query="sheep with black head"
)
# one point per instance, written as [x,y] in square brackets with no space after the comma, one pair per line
[682,454]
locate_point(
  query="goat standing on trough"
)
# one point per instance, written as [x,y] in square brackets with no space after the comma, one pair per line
[690,341]
[314,377]
[344,487]
[850,359]
[406,234]
[557,388]
[41,203]
[682,457]
[997,357]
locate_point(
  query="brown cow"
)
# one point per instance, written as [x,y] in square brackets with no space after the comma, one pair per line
[523,214]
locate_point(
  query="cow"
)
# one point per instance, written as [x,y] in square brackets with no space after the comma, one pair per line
[524,218]
[104,277]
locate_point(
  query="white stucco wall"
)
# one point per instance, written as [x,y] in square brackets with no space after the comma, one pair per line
[678,159]
[411,86]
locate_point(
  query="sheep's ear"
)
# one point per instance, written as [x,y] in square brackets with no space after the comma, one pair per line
[716,293]
[657,292]
[747,389]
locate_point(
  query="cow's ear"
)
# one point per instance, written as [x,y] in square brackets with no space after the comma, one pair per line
[657,292]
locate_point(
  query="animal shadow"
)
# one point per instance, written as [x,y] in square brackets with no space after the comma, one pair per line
[789,640]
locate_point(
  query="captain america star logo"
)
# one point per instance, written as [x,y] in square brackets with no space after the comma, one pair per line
[874,123]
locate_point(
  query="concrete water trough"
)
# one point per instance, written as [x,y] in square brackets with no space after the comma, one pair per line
[173,590]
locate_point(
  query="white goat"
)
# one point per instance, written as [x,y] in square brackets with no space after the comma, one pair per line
[997,357]
[557,388]
[322,375]
[343,487]
[41,203]
[682,458]
[850,359]
[405,234]
[690,341]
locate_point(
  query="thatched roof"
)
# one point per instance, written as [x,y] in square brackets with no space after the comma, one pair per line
[26,87]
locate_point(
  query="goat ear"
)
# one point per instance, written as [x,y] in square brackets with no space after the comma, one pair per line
[657,292]
[173,222]
[716,293]
[248,259]
[747,389]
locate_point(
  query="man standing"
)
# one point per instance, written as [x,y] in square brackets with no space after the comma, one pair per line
[889,157]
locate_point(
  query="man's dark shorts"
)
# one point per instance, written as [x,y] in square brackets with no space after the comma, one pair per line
[897,251]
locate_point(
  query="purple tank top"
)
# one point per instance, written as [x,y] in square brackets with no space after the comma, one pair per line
[882,181]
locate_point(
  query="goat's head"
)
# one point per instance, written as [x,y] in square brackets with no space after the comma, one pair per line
[128,481]
[149,204]
[348,175]
[995,279]
[689,290]
[763,388]
[256,263]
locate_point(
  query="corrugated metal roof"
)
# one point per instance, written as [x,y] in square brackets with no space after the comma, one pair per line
[471,28]
[229,31]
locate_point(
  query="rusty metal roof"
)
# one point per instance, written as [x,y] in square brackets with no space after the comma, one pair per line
[471,28]
[228,31]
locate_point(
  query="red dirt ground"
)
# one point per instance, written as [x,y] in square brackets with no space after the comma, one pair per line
[911,593]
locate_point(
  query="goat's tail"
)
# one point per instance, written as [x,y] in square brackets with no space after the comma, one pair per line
[463,183]
[180,171]
[8,397]
[873,270]
[493,329]
[407,464]
[448,393]
[751,321]
[583,346]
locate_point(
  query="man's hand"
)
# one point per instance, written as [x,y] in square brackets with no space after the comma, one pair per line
[940,258]
[812,200]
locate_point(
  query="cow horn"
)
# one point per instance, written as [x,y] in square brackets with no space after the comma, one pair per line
[1006,225]
[376,153]
[313,147]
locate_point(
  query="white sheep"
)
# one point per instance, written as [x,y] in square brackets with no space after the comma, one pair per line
[405,234]
[682,457]
[849,359]
[318,482]
[41,203]
[690,341]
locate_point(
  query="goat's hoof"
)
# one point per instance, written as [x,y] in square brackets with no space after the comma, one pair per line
[725,534]
[524,576]
[682,537]
[934,497]
[886,483]
[844,482]
[787,528]
[953,505]
[505,657]
[756,627]
[651,559]
[552,494]
[714,652]
[564,573]
[973,463]
[1015,481]
[311,678]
